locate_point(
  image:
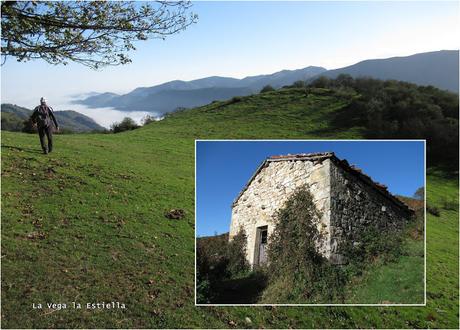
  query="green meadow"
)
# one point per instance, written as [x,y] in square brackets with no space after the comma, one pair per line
[87,224]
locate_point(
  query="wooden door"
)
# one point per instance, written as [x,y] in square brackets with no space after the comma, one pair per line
[263,246]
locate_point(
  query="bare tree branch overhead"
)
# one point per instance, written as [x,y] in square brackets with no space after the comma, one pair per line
[93,33]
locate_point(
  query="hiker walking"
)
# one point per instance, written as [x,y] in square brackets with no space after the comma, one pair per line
[42,116]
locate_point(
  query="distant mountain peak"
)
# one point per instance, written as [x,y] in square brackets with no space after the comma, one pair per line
[438,68]
[170,95]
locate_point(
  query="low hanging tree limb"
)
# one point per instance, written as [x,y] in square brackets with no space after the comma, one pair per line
[93,33]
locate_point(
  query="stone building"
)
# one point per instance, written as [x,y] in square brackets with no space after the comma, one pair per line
[348,200]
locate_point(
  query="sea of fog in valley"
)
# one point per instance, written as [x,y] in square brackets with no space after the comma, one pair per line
[103,116]
[107,116]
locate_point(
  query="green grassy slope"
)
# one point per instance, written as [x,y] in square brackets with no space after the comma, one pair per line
[398,282]
[86,223]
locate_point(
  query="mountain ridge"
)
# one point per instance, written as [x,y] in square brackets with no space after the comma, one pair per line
[437,68]
[140,98]
[424,69]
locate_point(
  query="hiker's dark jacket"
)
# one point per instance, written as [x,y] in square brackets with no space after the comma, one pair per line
[43,115]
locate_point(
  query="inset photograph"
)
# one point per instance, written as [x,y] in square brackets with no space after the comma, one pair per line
[296,222]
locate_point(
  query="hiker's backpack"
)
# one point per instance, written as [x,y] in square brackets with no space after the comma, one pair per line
[43,115]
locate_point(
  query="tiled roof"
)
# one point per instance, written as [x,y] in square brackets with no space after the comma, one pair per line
[310,156]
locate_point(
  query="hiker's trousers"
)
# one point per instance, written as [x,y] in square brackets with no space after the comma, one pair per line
[48,131]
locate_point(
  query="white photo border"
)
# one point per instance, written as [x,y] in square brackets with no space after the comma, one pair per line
[321,140]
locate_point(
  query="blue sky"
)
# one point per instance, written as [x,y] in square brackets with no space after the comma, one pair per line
[223,168]
[238,39]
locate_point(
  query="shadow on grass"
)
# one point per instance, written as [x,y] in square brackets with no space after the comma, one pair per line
[31,150]
[246,290]
[443,172]
[341,120]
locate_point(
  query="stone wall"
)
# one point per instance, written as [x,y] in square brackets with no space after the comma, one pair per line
[355,206]
[270,189]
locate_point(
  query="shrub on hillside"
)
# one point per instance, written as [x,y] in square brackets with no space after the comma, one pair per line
[127,124]
[416,228]
[217,259]
[344,80]
[450,204]
[220,258]
[206,270]
[433,210]
[420,193]
[147,120]
[297,271]
[399,110]
[373,243]
[236,254]
[179,110]
[321,82]
[11,122]
[234,99]
[267,88]
[299,84]
[65,131]
[28,126]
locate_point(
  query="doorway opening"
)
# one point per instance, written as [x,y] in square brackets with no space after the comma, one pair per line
[261,246]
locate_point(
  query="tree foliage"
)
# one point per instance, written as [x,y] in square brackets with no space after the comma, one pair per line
[218,259]
[293,243]
[267,88]
[299,84]
[399,110]
[11,122]
[297,271]
[127,124]
[236,253]
[28,126]
[420,193]
[147,120]
[93,33]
